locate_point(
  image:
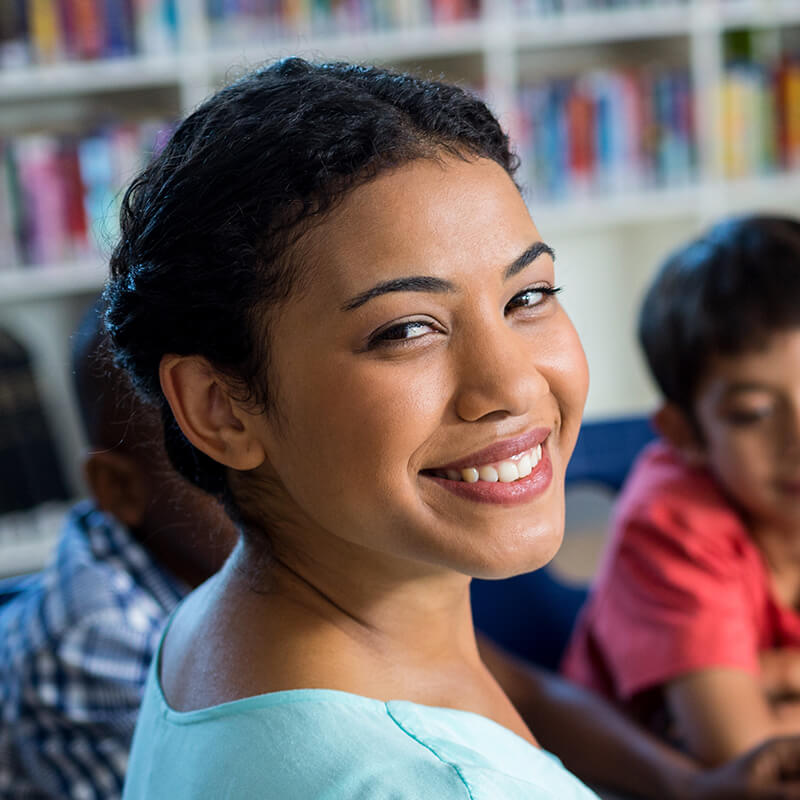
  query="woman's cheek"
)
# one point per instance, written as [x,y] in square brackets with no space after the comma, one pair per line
[563,360]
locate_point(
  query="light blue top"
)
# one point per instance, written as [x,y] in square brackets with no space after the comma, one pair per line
[320,744]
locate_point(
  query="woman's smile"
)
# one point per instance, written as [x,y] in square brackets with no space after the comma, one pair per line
[511,471]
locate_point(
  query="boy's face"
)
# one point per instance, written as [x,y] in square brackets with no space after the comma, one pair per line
[748,409]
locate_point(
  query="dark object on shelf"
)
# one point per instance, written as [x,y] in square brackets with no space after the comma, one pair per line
[30,471]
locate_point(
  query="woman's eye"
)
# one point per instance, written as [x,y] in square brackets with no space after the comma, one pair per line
[402,332]
[532,297]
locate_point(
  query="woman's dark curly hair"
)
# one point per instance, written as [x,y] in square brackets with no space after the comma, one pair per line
[207,229]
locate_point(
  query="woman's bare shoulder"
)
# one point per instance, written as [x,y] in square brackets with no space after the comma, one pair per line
[198,667]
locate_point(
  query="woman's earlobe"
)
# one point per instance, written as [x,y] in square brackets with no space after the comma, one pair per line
[209,416]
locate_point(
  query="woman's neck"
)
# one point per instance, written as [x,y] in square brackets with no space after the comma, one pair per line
[375,606]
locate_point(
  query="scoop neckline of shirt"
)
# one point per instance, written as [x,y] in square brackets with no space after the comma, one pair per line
[309,695]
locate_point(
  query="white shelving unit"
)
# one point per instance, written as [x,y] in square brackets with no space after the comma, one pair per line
[608,245]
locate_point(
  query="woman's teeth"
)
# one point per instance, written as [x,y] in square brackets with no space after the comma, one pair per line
[512,469]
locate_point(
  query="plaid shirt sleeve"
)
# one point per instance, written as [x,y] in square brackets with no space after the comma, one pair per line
[73,662]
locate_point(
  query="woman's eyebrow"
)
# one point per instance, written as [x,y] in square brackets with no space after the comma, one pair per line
[529,256]
[414,283]
[427,283]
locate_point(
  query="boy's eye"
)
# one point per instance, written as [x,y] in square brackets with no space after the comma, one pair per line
[532,297]
[402,332]
[747,416]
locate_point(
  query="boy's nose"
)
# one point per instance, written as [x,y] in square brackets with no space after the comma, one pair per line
[498,374]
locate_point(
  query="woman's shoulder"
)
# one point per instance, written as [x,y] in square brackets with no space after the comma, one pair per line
[303,743]
[292,744]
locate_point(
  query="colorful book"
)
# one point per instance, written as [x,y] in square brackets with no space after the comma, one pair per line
[43,198]
[10,254]
[90,35]
[154,26]
[44,30]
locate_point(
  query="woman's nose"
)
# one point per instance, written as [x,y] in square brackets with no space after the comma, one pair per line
[498,374]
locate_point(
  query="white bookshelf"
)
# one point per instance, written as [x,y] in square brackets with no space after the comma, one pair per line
[48,281]
[608,244]
[79,78]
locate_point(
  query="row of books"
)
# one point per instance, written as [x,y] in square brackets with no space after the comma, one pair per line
[533,8]
[602,132]
[234,19]
[760,117]
[607,131]
[60,194]
[46,31]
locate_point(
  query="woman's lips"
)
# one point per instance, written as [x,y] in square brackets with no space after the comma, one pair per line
[521,490]
[498,451]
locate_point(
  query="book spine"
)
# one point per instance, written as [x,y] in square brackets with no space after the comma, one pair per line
[76,223]
[10,255]
[89,28]
[791,115]
[151,26]
[68,31]
[118,35]
[43,198]
[43,19]
[16,201]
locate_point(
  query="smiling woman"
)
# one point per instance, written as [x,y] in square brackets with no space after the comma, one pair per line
[332,287]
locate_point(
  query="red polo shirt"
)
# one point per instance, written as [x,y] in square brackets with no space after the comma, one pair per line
[682,587]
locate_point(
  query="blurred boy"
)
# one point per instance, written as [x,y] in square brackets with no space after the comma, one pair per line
[75,646]
[693,622]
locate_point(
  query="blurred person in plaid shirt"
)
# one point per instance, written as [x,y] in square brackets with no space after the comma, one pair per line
[76,644]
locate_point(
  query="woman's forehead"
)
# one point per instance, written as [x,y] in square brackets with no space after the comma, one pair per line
[429,217]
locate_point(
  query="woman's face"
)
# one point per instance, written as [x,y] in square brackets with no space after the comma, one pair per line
[429,385]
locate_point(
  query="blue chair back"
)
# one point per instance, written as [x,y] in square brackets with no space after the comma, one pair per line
[606,450]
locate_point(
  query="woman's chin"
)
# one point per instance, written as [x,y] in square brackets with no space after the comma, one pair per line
[526,554]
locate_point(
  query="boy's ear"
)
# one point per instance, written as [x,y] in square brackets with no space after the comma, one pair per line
[118,485]
[213,421]
[675,426]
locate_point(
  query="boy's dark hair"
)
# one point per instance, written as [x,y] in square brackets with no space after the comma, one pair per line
[208,229]
[724,293]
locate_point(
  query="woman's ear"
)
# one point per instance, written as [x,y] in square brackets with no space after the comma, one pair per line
[675,426]
[118,485]
[213,421]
